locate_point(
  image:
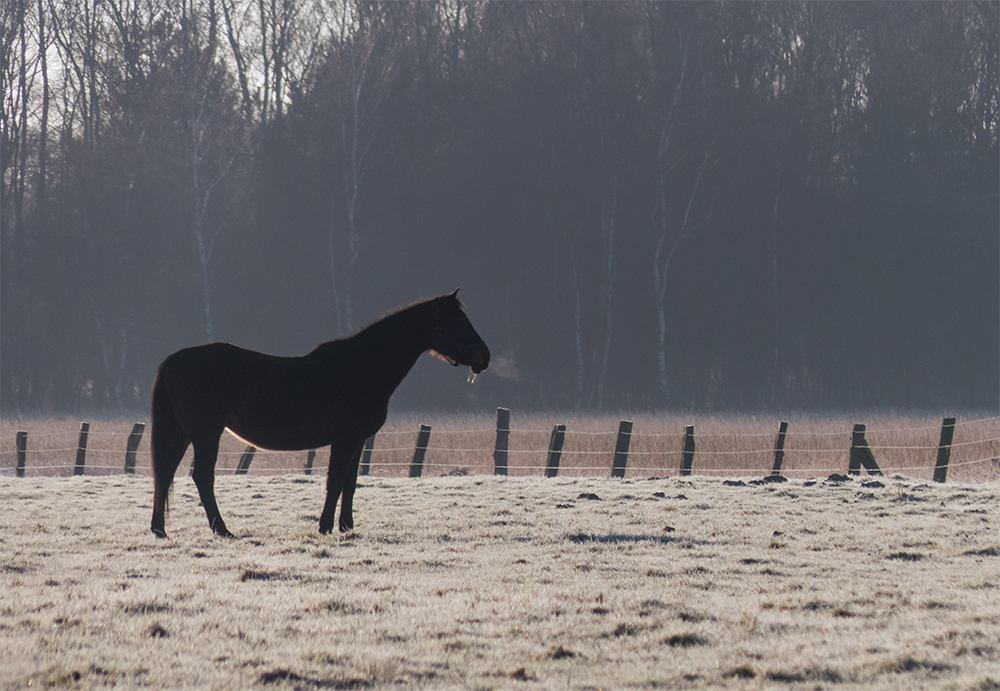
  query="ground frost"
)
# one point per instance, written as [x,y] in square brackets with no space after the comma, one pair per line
[484,582]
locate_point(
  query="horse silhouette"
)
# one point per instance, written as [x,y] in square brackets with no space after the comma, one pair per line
[337,395]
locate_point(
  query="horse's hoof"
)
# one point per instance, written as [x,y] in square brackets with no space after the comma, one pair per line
[159,533]
[220,529]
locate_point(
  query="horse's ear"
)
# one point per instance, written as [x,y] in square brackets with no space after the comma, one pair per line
[454,294]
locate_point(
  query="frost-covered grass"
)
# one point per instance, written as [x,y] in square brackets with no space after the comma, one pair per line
[482,582]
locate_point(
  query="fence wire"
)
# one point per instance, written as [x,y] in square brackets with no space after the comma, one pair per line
[580,450]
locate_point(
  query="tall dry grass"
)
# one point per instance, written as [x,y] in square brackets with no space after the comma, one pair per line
[727,445]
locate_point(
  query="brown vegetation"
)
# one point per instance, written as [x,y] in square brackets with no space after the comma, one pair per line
[727,446]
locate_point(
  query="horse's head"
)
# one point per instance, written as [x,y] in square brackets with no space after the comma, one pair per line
[453,339]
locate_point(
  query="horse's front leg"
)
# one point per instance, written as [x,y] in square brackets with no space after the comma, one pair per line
[342,460]
[347,502]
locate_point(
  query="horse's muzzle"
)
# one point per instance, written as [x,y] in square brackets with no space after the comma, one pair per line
[479,359]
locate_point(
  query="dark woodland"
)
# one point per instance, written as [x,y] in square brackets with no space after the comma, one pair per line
[646,205]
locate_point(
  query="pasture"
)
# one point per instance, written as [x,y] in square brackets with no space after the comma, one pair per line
[484,582]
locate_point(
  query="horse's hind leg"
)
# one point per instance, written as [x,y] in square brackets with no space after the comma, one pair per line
[169,443]
[206,453]
[167,455]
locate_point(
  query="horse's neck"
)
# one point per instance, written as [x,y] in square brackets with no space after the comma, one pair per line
[395,342]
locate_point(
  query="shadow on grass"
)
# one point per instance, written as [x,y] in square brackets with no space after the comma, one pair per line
[622,538]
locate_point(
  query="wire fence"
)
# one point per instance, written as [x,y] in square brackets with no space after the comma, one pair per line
[588,447]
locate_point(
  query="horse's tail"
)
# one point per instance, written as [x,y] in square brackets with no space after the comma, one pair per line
[168,443]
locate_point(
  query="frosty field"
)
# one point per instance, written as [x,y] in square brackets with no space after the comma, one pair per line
[482,582]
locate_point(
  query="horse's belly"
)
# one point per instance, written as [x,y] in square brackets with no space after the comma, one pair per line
[277,439]
[295,427]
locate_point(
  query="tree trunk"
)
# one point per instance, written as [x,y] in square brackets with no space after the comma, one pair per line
[239,61]
[338,316]
[22,167]
[577,328]
[43,135]
[775,362]
[202,247]
[608,223]
[661,261]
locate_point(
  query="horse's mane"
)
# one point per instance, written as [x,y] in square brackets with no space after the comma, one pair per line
[399,310]
[386,321]
[390,314]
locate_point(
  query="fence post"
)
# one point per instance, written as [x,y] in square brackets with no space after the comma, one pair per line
[500,448]
[779,448]
[687,458]
[81,448]
[423,439]
[310,457]
[621,448]
[366,455]
[944,449]
[555,450]
[868,460]
[245,459]
[861,455]
[22,451]
[132,446]
[857,439]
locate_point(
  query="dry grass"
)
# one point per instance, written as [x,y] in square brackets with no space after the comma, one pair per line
[487,583]
[727,446]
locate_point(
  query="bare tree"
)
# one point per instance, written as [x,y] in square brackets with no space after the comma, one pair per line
[672,234]
[609,219]
[206,129]
[365,52]
[43,126]
[14,167]
[682,162]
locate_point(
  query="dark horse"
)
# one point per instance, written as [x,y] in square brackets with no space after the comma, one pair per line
[338,395]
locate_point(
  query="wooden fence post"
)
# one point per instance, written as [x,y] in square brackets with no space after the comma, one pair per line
[621,448]
[857,440]
[22,451]
[310,457]
[861,455]
[423,439]
[555,450]
[500,448]
[779,448]
[81,448]
[366,455]
[868,460]
[245,459]
[687,458]
[944,449]
[132,446]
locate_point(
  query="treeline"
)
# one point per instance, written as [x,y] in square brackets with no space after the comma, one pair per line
[646,204]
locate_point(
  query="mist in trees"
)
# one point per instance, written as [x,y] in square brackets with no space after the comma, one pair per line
[709,205]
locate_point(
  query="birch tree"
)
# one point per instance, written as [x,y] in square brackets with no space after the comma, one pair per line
[210,133]
[364,51]
[684,156]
